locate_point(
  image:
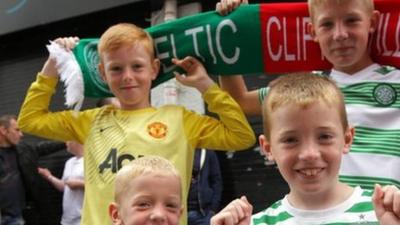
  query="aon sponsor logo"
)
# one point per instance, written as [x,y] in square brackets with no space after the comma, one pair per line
[114,162]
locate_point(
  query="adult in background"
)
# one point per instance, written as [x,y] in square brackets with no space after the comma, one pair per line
[205,188]
[71,184]
[18,166]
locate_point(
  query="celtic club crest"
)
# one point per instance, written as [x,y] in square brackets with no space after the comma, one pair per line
[385,94]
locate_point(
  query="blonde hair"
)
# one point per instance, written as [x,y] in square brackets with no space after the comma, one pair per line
[313,4]
[142,166]
[302,89]
[123,34]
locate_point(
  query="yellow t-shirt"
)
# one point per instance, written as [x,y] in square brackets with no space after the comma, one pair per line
[113,137]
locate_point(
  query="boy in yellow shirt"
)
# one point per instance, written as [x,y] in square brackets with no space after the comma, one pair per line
[114,136]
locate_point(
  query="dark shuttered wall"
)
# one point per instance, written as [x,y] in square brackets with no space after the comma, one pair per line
[246,172]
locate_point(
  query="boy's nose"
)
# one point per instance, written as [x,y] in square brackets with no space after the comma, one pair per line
[158,215]
[309,152]
[340,32]
[128,74]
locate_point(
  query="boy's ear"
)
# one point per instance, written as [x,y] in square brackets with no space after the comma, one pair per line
[114,214]
[100,66]
[156,68]
[311,31]
[374,21]
[265,147]
[348,139]
[3,130]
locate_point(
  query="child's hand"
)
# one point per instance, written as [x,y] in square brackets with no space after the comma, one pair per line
[386,202]
[50,67]
[196,75]
[225,7]
[238,212]
[68,43]
[45,173]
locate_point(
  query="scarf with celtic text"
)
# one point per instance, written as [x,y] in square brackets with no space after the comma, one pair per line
[261,38]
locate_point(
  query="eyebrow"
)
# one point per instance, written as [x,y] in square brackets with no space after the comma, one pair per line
[352,13]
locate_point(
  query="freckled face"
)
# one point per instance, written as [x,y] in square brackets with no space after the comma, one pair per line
[129,71]
[307,145]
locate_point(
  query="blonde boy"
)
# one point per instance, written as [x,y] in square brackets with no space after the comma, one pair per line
[147,191]
[116,135]
[306,132]
[371,91]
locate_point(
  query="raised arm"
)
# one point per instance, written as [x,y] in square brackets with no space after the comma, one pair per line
[249,101]
[235,85]
[196,75]
[225,7]
[50,67]
[232,131]
[35,117]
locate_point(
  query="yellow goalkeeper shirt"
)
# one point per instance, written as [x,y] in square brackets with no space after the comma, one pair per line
[113,137]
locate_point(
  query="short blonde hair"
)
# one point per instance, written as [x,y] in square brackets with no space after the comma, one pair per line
[123,34]
[313,4]
[301,89]
[142,166]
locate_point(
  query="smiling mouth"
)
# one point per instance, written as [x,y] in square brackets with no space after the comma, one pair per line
[310,172]
[341,49]
[128,87]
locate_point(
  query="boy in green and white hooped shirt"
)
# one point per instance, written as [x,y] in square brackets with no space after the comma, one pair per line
[371,91]
[306,132]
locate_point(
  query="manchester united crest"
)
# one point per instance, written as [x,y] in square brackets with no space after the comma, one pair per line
[157,130]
